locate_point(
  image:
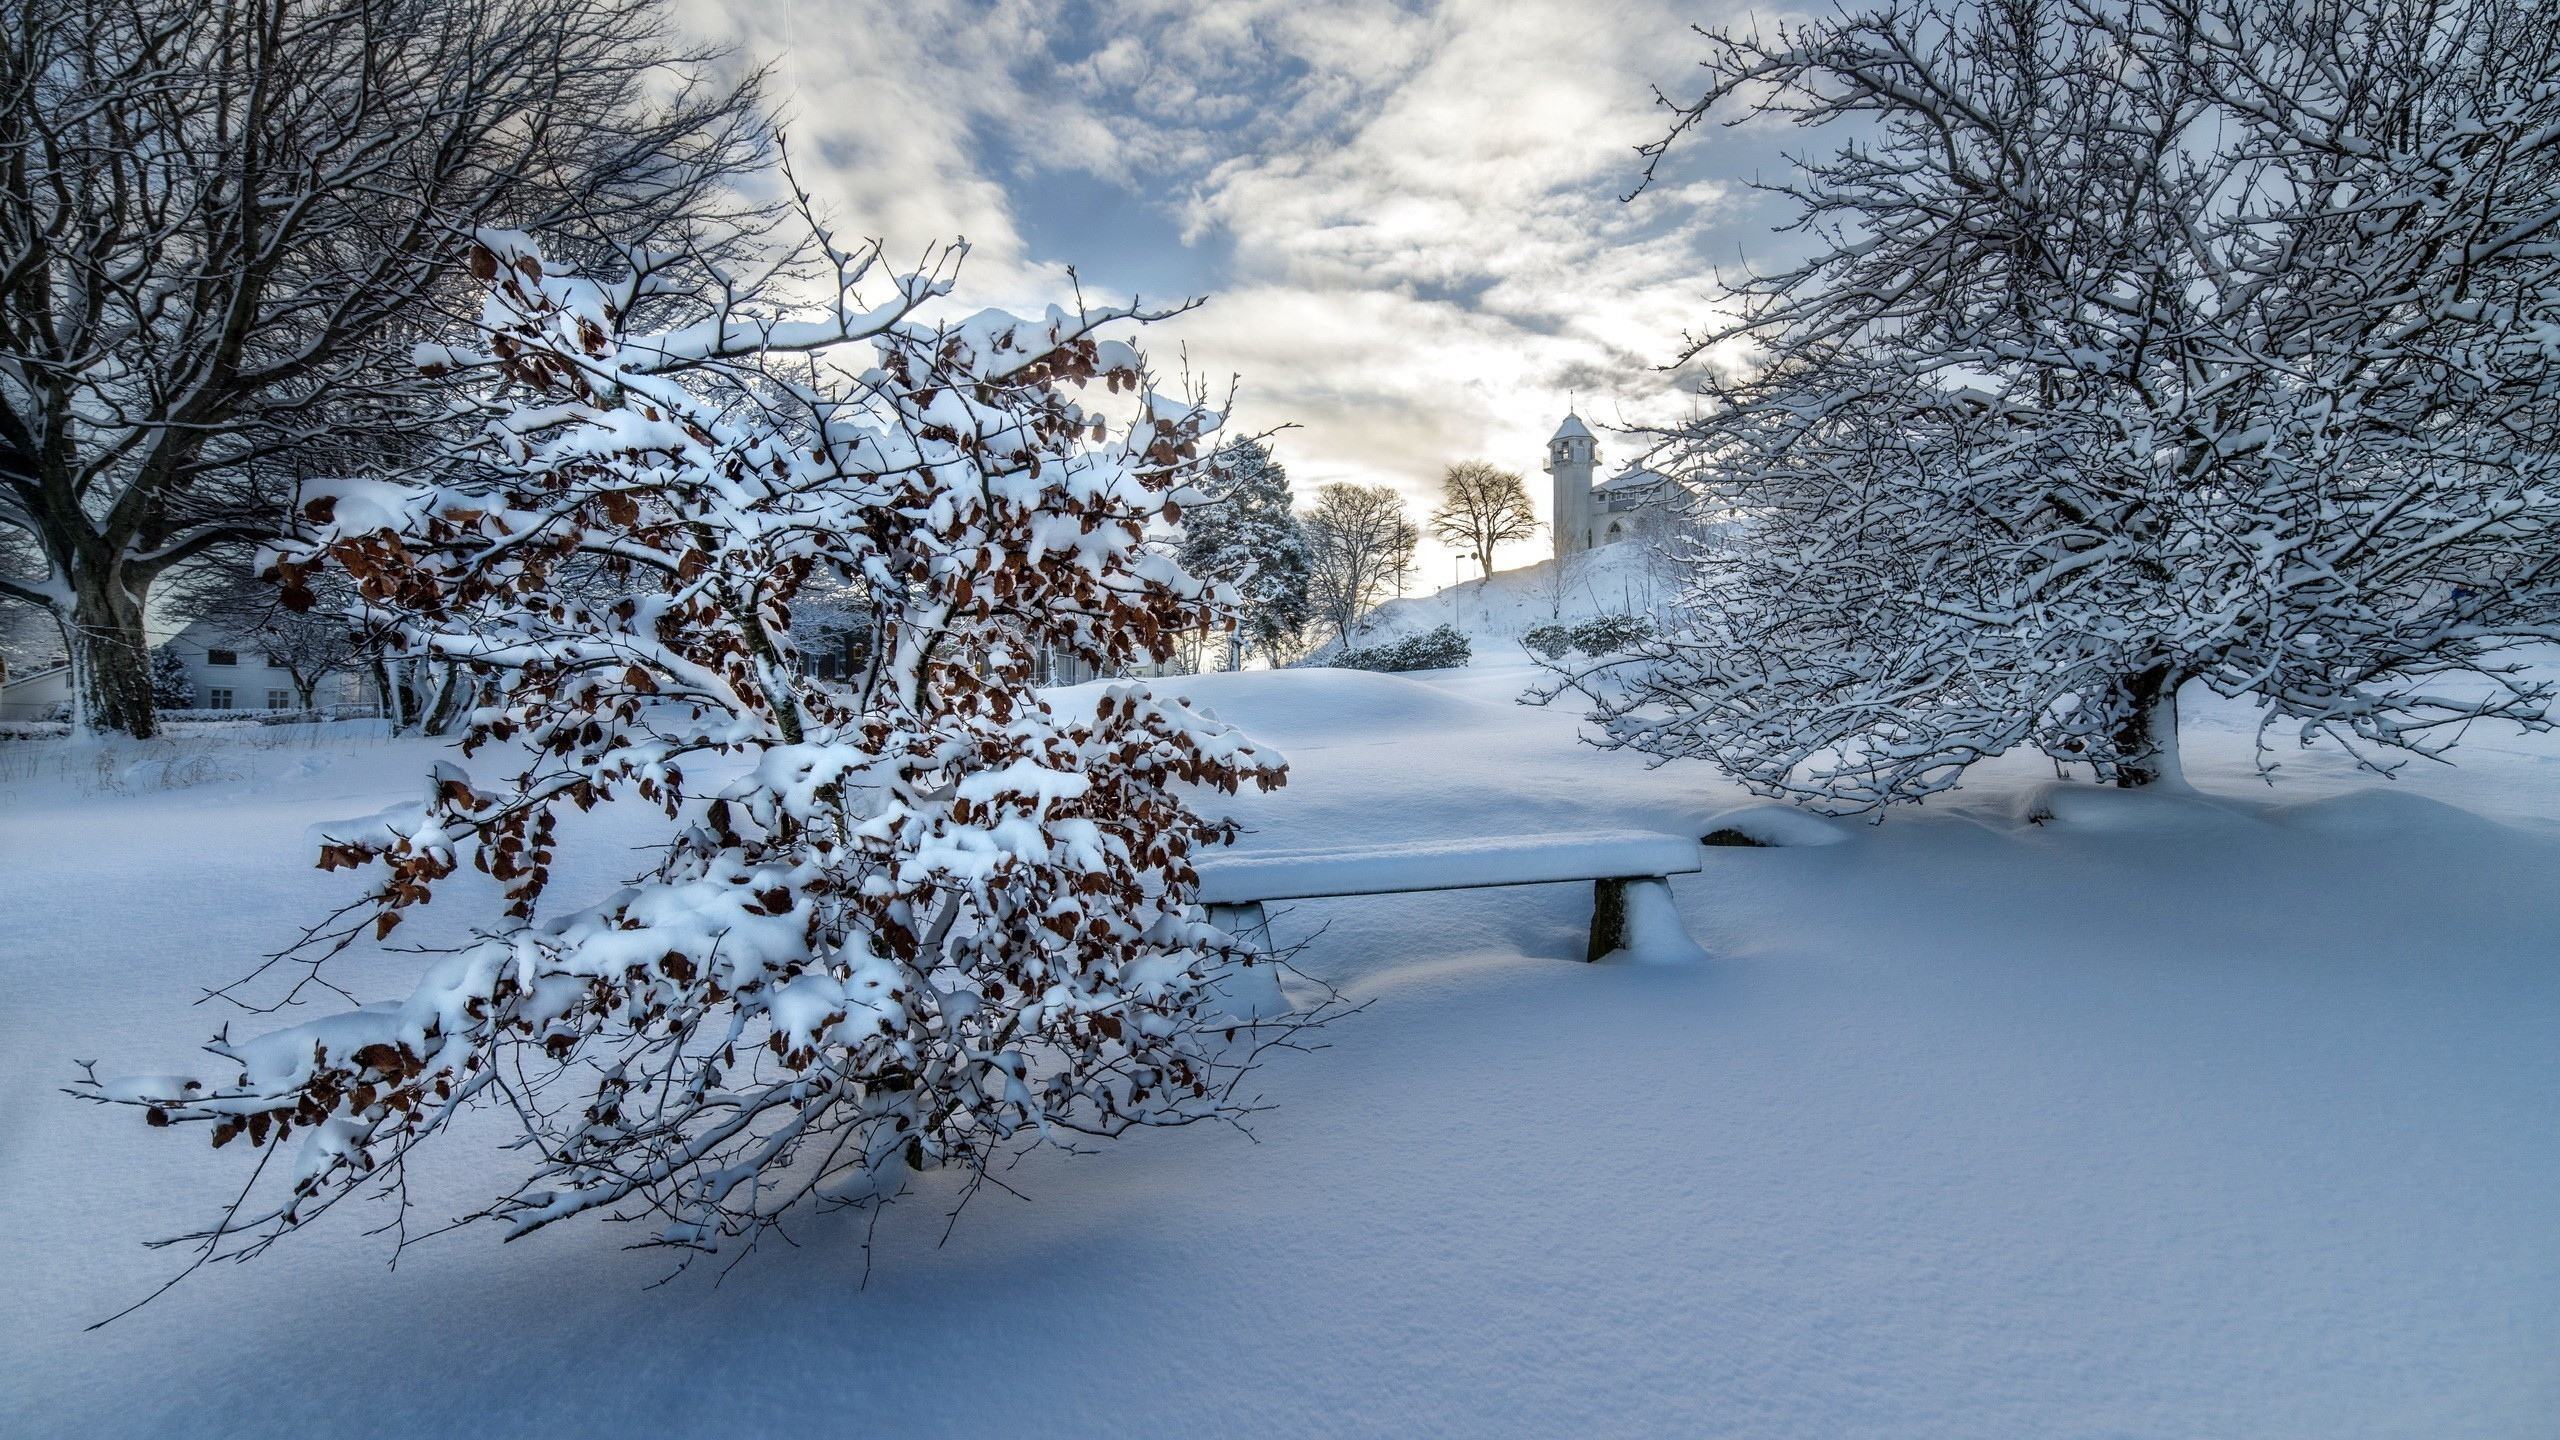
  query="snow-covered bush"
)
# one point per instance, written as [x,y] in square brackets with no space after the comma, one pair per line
[172,688]
[2139,345]
[911,918]
[1442,649]
[1548,642]
[1599,635]
[1607,634]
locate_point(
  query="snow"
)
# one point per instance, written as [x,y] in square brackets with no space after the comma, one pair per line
[2231,1115]
[1494,860]
[1774,824]
[1625,578]
[1654,934]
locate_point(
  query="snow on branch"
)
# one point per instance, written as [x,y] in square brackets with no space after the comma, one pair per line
[2186,341]
[915,917]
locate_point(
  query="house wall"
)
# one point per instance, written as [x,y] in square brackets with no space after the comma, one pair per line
[248,681]
[36,694]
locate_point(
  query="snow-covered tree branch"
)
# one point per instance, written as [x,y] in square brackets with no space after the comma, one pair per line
[222,223]
[2140,345]
[1248,536]
[919,916]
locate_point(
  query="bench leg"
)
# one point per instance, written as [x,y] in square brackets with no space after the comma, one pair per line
[1252,989]
[1634,917]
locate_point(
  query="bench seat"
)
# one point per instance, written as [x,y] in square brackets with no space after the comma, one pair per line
[1467,864]
[1632,913]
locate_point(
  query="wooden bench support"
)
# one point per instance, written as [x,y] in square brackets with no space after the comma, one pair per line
[1635,916]
[1608,919]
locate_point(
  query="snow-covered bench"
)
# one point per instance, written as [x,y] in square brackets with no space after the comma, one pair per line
[1631,907]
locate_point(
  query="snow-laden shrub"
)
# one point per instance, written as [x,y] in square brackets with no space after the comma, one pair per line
[1441,649]
[911,918]
[1548,642]
[1608,634]
[172,688]
[1600,635]
[235,716]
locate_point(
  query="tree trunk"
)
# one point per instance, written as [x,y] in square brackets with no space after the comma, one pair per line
[110,659]
[444,708]
[2146,740]
[386,694]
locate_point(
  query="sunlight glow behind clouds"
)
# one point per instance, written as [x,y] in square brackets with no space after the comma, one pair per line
[1407,216]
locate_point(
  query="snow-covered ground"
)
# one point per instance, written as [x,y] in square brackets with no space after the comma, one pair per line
[2237,1116]
[1626,578]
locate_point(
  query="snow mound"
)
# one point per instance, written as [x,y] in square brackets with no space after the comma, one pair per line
[2095,808]
[1771,824]
[2385,811]
[1336,706]
[1493,613]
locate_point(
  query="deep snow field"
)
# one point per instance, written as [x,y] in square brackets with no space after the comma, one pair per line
[2232,1117]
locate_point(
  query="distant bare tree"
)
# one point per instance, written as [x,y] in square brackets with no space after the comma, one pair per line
[224,223]
[1483,507]
[1360,547]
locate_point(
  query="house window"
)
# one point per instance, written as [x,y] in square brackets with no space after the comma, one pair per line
[279,699]
[272,662]
[222,657]
[219,697]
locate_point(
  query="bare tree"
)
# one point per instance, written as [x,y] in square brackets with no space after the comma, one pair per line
[2143,344]
[1360,551]
[223,224]
[1482,507]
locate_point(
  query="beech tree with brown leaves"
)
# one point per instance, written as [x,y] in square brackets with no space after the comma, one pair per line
[918,916]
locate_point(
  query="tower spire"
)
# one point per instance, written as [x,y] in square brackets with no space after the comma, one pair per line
[1572,456]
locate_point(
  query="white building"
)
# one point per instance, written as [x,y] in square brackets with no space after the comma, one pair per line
[232,674]
[1589,514]
[35,692]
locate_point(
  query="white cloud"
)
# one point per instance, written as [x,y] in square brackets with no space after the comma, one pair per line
[1424,251]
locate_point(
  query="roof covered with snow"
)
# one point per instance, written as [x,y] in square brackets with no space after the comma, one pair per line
[1572,429]
[1634,477]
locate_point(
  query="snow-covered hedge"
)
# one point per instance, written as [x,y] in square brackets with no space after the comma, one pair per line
[274,717]
[1442,649]
[1599,635]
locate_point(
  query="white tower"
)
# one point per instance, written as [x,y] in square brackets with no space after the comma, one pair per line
[1573,457]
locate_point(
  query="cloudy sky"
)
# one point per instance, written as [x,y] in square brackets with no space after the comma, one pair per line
[1405,217]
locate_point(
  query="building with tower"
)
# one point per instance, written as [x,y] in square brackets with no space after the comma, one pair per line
[1588,514]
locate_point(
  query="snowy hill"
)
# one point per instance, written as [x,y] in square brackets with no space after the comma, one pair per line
[1494,613]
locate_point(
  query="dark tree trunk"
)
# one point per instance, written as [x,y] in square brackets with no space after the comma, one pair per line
[444,710]
[110,658]
[2146,740]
